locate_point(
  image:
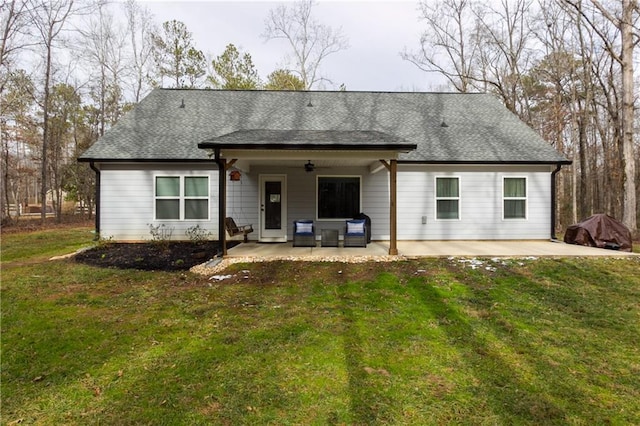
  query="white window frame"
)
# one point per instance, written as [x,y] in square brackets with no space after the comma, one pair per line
[317,196]
[182,197]
[458,198]
[525,198]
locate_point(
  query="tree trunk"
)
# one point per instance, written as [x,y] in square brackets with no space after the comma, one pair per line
[629,200]
[574,192]
[6,210]
[583,210]
[45,134]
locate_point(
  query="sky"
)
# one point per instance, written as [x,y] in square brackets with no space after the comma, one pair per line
[377,32]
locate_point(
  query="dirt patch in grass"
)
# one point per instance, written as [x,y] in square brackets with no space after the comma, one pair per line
[151,256]
[309,273]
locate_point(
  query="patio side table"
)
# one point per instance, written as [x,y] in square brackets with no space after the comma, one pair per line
[329,238]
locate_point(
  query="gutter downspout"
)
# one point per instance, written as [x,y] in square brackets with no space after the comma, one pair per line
[97,218]
[554,201]
[222,198]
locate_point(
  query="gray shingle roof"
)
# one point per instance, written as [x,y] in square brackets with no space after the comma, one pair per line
[480,129]
[310,139]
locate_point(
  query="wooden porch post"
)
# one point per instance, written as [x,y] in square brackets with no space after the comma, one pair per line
[222,202]
[393,219]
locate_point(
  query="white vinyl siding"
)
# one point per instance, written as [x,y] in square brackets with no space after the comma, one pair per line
[481,213]
[127,200]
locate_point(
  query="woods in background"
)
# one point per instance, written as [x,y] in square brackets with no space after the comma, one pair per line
[566,68]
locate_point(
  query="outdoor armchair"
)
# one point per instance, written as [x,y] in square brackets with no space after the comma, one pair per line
[304,233]
[355,234]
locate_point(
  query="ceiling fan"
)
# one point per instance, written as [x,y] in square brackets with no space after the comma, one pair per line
[309,167]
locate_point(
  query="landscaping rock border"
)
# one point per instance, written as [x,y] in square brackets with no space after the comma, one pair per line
[218,265]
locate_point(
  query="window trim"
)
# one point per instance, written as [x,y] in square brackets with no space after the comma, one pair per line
[525,199]
[181,197]
[436,198]
[317,195]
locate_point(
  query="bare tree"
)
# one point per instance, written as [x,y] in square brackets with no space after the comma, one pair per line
[103,42]
[48,19]
[505,50]
[310,41]
[14,29]
[448,45]
[140,28]
[14,18]
[623,19]
[559,90]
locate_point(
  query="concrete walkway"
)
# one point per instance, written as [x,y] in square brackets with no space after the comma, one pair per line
[536,248]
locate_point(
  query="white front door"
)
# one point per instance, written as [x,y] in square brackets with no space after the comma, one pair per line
[273,208]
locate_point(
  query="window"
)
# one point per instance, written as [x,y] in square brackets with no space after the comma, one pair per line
[447,198]
[338,197]
[515,198]
[182,197]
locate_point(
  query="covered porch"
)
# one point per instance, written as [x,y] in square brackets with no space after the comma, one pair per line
[294,174]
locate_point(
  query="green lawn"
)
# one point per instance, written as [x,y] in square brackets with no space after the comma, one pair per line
[417,342]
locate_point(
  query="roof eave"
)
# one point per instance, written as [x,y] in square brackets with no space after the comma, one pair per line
[142,160]
[312,147]
[477,162]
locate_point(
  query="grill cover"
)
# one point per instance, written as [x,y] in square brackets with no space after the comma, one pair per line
[600,230]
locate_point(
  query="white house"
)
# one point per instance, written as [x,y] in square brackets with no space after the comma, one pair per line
[422,166]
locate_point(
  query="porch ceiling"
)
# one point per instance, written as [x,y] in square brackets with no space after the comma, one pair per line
[294,164]
[246,159]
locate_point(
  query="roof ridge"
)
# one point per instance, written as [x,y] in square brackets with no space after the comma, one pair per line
[189,89]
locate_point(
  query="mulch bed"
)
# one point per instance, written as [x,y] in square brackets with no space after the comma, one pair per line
[151,256]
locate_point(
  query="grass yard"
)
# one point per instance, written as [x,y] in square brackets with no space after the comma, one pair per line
[422,342]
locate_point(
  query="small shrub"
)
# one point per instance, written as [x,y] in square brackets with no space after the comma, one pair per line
[197,234]
[160,233]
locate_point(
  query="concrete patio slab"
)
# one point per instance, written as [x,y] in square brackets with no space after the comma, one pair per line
[535,248]
[502,249]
